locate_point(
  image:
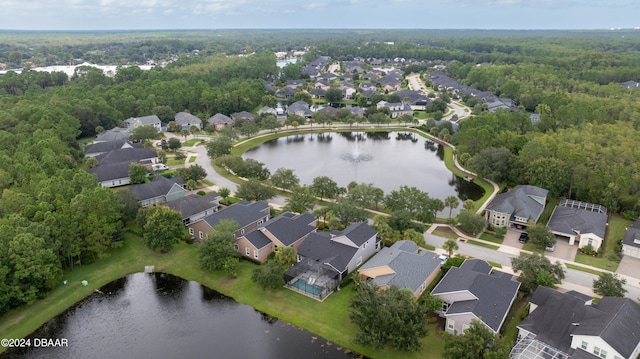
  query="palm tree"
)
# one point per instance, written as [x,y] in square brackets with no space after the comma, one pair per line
[450,245]
[469,205]
[451,202]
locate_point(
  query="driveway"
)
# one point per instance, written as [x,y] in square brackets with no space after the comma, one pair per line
[564,251]
[511,239]
[629,267]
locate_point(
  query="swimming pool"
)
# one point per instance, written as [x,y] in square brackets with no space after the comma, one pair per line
[309,288]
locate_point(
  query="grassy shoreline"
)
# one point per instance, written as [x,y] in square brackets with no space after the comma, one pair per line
[329,319]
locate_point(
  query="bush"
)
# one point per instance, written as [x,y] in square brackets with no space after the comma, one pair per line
[588,250]
[201,193]
[180,156]
[500,232]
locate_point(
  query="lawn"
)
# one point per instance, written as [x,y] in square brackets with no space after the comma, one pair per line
[482,244]
[490,238]
[486,186]
[174,162]
[581,268]
[609,260]
[329,319]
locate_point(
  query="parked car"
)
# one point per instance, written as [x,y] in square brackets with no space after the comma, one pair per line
[524,237]
[159,167]
[443,258]
[551,248]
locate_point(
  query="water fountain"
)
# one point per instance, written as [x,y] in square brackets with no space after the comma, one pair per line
[356,155]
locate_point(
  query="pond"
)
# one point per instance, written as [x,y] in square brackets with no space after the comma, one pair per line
[386,159]
[161,316]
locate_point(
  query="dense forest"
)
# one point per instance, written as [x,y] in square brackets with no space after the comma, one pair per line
[53,215]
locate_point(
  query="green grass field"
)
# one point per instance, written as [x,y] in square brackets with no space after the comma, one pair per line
[615,233]
[482,244]
[490,238]
[329,319]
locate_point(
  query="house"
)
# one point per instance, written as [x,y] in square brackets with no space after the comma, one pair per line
[631,85]
[242,115]
[414,98]
[328,76]
[160,190]
[322,84]
[98,148]
[284,230]
[267,109]
[195,207]
[185,120]
[578,221]
[397,109]
[248,215]
[134,122]
[114,134]
[517,207]
[473,291]
[325,259]
[299,108]
[403,265]
[566,325]
[318,93]
[631,240]
[219,121]
[113,166]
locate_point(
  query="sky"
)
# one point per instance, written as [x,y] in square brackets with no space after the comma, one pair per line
[287,14]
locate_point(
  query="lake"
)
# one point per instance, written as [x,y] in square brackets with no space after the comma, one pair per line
[386,159]
[162,316]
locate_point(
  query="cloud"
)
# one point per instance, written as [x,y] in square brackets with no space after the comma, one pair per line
[542,3]
[315,6]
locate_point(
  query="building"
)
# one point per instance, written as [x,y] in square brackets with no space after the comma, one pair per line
[515,208]
[134,122]
[284,230]
[403,265]
[570,325]
[631,240]
[195,207]
[160,190]
[185,120]
[581,222]
[475,291]
[248,215]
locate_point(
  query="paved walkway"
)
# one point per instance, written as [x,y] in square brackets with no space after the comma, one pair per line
[631,280]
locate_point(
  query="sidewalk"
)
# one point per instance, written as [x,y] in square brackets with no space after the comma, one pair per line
[516,251]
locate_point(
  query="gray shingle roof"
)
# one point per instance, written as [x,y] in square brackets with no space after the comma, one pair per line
[107,146]
[110,171]
[126,155]
[359,233]
[287,227]
[219,118]
[558,316]
[633,233]
[319,246]
[244,213]
[114,134]
[411,268]
[194,204]
[494,292]
[520,201]
[572,220]
[187,119]
[159,186]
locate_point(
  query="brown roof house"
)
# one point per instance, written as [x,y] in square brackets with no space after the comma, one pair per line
[285,230]
[248,215]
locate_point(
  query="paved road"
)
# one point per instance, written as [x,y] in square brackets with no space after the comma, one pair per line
[416,84]
[574,279]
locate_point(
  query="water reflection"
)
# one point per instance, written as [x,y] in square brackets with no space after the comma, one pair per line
[162,316]
[388,159]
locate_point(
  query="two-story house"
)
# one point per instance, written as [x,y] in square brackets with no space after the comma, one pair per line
[248,215]
[325,259]
[284,230]
[570,325]
[515,208]
[475,291]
